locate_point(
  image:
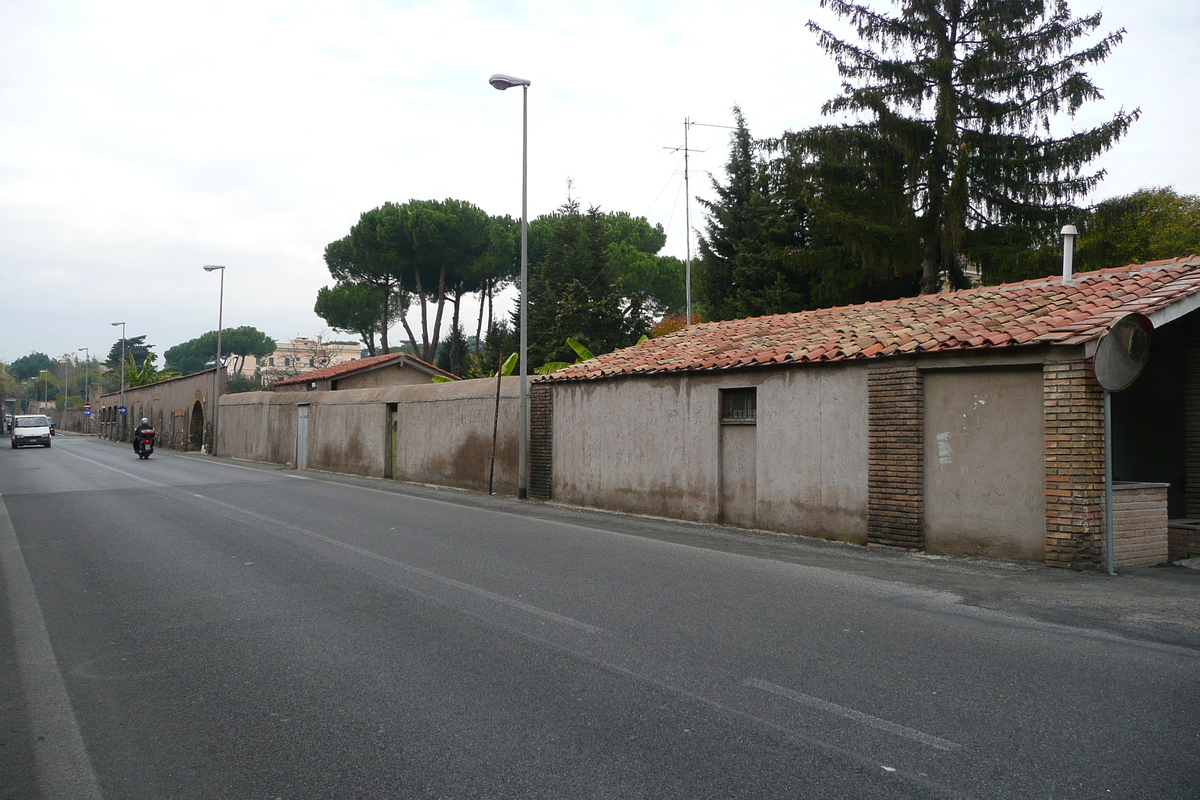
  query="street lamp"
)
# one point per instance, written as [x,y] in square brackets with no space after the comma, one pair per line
[45,389]
[122,416]
[502,82]
[217,368]
[87,355]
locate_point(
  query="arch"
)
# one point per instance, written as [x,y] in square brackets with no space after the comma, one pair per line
[196,427]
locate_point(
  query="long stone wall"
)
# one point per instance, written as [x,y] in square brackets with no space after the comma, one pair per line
[437,433]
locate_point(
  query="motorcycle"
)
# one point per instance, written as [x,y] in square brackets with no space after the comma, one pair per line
[143,443]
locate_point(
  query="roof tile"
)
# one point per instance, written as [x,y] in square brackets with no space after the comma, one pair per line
[1046,311]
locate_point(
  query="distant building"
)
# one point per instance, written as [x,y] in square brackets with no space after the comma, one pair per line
[394,369]
[297,356]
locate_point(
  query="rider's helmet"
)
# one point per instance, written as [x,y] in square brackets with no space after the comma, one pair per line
[145,421]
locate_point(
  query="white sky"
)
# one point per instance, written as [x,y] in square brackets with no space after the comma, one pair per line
[142,140]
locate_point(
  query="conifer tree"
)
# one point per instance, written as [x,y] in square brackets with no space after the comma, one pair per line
[965,91]
[748,265]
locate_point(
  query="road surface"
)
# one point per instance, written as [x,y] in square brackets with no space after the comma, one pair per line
[189,627]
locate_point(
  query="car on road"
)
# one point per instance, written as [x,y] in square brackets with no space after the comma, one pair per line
[30,429]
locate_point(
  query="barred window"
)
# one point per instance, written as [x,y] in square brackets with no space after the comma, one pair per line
[739,406]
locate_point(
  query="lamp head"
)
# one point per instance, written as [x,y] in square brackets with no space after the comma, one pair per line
[211,267]
[115,324]
[501,81]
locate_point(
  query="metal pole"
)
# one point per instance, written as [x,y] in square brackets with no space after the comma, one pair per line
[1108,486]
[217,371]
[687,216]
[86,394]
[522,467]
[121,417]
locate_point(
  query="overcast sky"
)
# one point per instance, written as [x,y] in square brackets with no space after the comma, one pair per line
[140,141]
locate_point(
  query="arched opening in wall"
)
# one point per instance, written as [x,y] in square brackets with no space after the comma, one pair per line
[196,427]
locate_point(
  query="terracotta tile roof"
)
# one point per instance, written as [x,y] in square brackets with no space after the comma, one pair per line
[1043,311]
[340,370]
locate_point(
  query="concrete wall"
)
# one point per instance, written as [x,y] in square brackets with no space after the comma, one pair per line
[984,464]
[653,445]
[442,435]
[390,375]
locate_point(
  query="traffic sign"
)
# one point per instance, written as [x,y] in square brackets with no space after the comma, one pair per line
[87,412]
[87,406]
[122,410]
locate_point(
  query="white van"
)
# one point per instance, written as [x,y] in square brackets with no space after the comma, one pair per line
[30,429]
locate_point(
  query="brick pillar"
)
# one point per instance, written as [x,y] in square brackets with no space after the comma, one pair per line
[1191,423]
[541,441]
[1074,453]
[896,457]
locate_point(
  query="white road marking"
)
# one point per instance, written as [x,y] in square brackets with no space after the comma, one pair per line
[63,766]
[857,716]
[466,587]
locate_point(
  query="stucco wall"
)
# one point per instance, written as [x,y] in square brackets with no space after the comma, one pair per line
[984,475]
[390,375]
[652,445]
[443,431]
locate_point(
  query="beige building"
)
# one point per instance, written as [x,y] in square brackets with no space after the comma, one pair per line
[297,356]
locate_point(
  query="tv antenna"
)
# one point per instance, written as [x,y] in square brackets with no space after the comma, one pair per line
[687,213]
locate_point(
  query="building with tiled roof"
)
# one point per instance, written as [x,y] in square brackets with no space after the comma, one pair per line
[393,369]
[963,422]
[1032,313]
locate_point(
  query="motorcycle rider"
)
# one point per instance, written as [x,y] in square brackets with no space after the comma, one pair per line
[137,434]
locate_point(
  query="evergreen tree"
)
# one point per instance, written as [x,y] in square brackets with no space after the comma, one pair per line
[578,273]
[749,265]
[964,92]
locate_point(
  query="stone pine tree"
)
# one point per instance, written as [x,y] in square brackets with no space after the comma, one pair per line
[748,252]
[965,91]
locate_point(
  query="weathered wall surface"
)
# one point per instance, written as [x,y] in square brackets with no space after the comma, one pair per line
[653,445]
[390,375]
[442,433]
[178,408]
[984,475]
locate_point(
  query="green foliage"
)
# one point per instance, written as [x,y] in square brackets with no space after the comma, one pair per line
[592,277]
[197,354]
[956,98]
[1148,225]
[135,348]
[8,383]
[748,265]
[29,366]
[245,383]
[358,308]
[144,374]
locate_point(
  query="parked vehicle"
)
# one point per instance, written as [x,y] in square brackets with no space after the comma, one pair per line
[31,429]
[143,442]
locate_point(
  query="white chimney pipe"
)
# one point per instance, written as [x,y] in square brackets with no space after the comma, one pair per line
[1069,233]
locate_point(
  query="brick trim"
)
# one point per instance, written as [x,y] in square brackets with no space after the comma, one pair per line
[896,456]
[1074,463]
[541,441]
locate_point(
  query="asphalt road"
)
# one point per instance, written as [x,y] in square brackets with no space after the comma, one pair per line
[189,627]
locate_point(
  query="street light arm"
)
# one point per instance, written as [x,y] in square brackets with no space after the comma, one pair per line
[501,81]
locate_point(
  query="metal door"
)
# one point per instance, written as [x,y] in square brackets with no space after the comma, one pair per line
[302,437]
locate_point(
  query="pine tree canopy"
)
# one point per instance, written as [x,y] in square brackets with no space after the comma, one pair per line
[965,94]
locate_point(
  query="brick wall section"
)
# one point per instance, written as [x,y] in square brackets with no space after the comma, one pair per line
[1074,418]
[896,456]
[1139,524]
[1191,423]
[541,450]
[1183,540]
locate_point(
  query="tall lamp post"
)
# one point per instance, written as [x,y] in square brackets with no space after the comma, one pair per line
[122,416]
[45,389]
[502,82]
[217,370]
[87,420]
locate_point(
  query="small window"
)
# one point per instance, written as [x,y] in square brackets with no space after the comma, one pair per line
[739,406]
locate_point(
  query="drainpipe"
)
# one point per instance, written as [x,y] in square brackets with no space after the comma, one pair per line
[1069,232]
